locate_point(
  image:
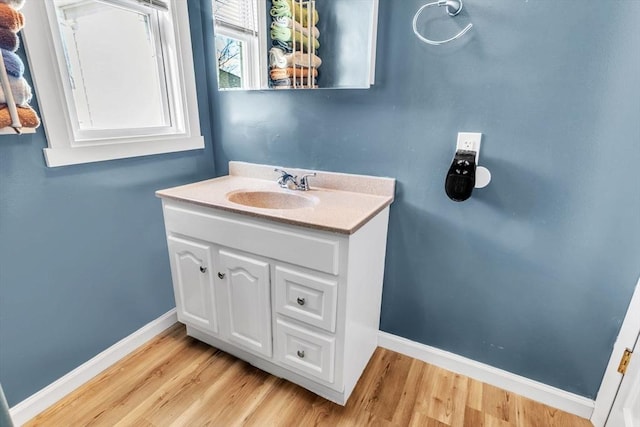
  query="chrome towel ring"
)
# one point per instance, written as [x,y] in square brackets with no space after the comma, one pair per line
[453,8]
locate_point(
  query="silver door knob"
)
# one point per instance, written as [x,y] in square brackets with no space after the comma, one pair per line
[301,354]
[300,301]
[220,275]
[203,269]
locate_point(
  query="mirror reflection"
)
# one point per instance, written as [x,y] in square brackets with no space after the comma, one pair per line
[294,44]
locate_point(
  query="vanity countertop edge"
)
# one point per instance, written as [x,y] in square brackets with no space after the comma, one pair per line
[345,202]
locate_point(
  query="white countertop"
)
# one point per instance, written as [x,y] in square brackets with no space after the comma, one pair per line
[342,202]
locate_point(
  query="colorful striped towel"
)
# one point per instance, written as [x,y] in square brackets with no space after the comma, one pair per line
[28,117]
[285,35]
[279,59]
[280,8]
[301,14]
[13,63]
[280,73]
[10,18]
[20,90]
[9,40]
[285,21]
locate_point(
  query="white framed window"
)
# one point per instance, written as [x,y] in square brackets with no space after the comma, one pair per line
[114,78]
[240,43]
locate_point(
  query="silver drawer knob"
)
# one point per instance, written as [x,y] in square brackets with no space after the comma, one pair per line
[301,354]
[300,301]
[203,269]
[220,275]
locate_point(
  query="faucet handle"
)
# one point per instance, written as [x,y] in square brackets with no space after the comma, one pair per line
[304,181]
[282,172]
[284,175]
[286,180]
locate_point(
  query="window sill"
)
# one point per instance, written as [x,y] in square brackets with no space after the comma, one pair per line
[98,153]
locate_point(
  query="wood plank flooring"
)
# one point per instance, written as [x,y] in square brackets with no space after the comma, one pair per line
[176,380]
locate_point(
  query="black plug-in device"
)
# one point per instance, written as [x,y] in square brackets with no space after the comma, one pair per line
[461,177]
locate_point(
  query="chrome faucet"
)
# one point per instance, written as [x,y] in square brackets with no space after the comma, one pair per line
[286,180]
[304,182]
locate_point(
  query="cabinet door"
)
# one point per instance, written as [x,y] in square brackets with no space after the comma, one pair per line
[192,283]
[246,301]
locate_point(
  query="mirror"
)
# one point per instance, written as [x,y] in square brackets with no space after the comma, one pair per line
[295,44]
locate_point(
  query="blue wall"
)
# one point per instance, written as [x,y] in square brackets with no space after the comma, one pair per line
[83,258]
[532,275]
[535,272]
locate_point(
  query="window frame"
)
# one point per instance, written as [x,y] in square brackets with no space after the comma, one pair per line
[255,64]
[67,146]
[165,67]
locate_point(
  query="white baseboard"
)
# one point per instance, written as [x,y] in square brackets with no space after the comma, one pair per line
[552,396]
[38,402]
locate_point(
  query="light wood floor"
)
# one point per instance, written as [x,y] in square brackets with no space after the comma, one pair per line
[175,380]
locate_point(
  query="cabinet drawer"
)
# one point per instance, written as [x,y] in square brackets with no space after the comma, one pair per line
[300,247]
[306,297]
[309,353]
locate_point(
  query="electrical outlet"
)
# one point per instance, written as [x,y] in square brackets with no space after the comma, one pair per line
[469,141]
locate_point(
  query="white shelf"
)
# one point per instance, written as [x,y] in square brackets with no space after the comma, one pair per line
[11,131]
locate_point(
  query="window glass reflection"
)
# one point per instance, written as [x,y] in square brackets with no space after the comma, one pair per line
[229,55]
[114,63]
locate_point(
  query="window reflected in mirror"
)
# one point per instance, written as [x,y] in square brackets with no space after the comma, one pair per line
[238,42]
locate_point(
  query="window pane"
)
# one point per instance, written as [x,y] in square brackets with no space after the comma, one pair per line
[229,52]
[115,67]
[241,14]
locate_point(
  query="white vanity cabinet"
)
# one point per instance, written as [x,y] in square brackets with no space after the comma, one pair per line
[300,303]
[293,289]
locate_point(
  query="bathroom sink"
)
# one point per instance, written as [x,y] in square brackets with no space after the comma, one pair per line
[271,199]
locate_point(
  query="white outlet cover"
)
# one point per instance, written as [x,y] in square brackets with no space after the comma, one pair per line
[469,141]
